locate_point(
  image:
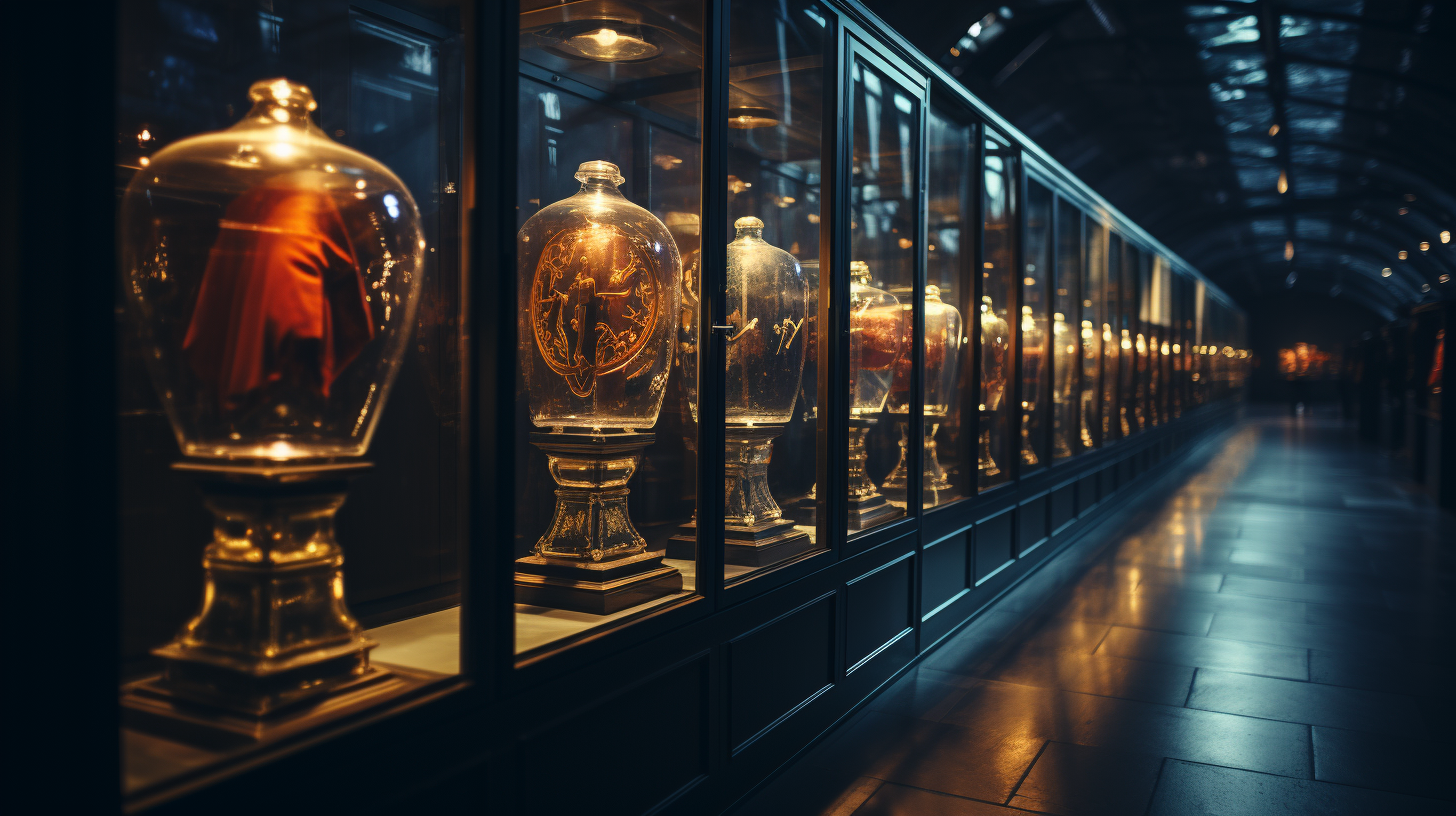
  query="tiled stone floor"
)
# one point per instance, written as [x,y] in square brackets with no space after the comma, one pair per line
[1274,639]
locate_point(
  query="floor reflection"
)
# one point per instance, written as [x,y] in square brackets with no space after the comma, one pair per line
[1272,638]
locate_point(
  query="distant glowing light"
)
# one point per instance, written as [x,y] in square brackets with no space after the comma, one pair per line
[1401,254]
[1385,273]
[1425,246]
[1283,184]
[391,205]
[1445,236]
[1273,130]
[1288,248]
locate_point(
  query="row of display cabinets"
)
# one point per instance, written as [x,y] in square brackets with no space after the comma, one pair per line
[683,304]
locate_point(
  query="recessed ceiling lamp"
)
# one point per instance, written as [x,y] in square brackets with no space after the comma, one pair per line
[602,40]
[1283,184]
[1401,254]
[1288,250]
[1425,246]
[1445,236]
[746,117]
[1385,273]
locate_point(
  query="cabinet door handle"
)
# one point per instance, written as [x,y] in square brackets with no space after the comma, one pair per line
[724,329]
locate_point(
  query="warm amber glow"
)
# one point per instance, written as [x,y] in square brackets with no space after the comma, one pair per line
[1273,130]
[1425,246]
[1288,248]
[1385,273]
[1445,236]
[1283,182]
[1401,254]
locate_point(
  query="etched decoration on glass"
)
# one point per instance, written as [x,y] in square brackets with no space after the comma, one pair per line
[273,276]
[943,333]
[600,283]
[876,334]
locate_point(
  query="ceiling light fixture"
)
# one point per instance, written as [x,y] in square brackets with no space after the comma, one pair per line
[746,117]
[602,40]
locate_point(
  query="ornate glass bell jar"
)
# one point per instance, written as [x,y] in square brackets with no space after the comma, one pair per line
[943,333]
[599,317]
[766,299]
[876,334]
[273,276]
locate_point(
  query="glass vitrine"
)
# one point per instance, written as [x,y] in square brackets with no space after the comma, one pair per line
[1093,329]
[999,440]
[1066,340]
[1131,398]
[1036,373]
[884,228]
[950,253]
[1113,356]
[290,181]
[608,196]
[772,284]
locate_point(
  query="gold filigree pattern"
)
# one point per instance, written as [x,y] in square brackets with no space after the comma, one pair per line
[594,301]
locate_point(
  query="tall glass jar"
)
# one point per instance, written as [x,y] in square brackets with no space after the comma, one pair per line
[943,333]
[599,307]
[876,342]
[274,273]
[766,299]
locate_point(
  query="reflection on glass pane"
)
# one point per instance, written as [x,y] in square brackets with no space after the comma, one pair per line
[1094,282]
[1035,379]
[1066,312]
[882,274]
[949,441]
[775,98]
[607,200]
[998,279]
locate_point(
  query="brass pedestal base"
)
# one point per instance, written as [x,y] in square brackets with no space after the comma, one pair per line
[274,641]
[934,481]
[867,508]
[592,559]
[754,527]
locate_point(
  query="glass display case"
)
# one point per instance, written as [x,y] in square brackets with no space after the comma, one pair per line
[1130,398]
[999,440]
[289,230]
[439,357]
[608,197]
[776,71]
[1066,331]
[1115,347]
[1036,374]
[883,229]
[950,257]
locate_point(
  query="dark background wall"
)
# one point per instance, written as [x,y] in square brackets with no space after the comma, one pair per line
[1281,320]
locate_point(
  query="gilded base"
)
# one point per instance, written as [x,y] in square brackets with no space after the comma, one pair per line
[591,558]
[274,633]
[867,507]
[934,481]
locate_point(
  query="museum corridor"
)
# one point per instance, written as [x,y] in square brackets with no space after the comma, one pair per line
[1273,638]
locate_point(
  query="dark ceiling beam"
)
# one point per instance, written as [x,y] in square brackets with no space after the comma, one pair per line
[1277,88]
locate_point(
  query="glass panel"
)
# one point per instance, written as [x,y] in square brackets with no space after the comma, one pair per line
[1138,327]
[883,205]
[607,202]
[1035,376]
[1093,329]
[950,441]
[1066,312]
[1112,407]
[775,97]
[290,239]
[1130,397]
[998,247]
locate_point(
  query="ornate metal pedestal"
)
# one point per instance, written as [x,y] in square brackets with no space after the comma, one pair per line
[1028,452]
[592,559]
[984,463]
[867,507]
[756,532]
[274,649]
[934,482]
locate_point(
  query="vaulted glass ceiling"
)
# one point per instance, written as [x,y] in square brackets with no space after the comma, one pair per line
[1272,143]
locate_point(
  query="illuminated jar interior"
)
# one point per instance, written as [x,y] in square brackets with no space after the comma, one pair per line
[273,275]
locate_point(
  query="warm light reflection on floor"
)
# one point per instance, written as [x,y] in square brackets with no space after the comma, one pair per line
[1252,643]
